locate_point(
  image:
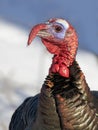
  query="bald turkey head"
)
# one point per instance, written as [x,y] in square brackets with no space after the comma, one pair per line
[60,39]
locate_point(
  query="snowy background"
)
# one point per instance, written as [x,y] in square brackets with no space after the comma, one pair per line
[23,69]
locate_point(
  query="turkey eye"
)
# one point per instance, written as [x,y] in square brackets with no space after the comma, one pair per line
[58,29]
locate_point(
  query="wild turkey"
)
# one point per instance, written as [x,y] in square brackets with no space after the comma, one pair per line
[65,101]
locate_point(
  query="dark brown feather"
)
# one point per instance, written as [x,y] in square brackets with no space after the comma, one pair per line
[63,104]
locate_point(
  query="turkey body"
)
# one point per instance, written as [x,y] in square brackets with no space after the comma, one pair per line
[63,104]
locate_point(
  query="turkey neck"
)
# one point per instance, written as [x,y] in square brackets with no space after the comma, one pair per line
[67,50]
[69,101]
[64,51]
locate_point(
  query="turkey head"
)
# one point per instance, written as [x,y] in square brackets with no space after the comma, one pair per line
[60,39]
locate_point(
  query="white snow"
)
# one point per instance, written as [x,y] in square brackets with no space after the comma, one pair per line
[23,69]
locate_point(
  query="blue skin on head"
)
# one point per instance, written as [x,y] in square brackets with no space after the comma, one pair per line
[59,28]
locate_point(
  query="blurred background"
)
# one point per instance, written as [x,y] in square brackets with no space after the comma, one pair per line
[23,69]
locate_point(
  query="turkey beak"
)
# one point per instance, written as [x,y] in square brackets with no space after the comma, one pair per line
[40,30]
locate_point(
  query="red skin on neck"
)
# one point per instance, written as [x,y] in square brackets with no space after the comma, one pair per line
[64,50]
[64,53]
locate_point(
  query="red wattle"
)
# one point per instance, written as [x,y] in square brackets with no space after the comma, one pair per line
[61,69]
[55,68]
[64,71]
